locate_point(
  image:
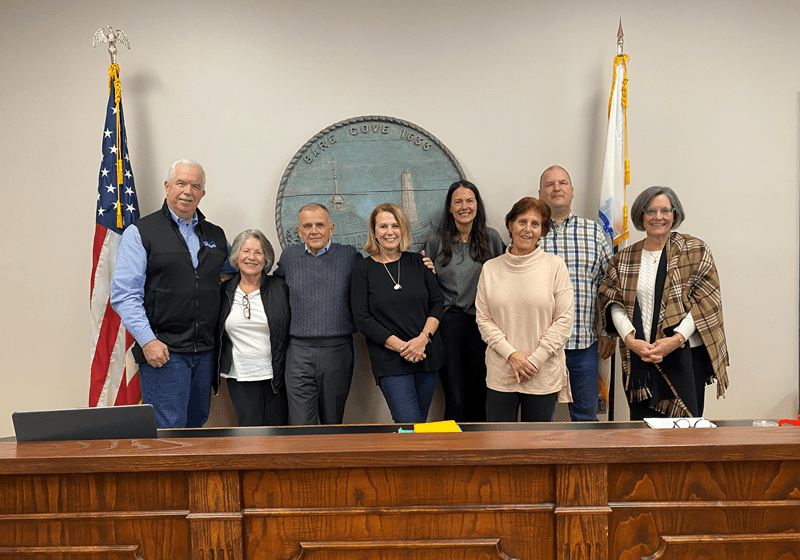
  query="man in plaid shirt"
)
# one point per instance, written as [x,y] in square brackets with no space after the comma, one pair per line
[582,245]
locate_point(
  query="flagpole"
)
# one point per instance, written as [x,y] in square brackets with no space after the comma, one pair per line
[612,389]
[114,374]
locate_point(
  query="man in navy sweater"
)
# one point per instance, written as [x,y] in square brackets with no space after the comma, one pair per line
[319,359]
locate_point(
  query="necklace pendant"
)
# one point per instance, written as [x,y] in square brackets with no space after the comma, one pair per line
[396,283]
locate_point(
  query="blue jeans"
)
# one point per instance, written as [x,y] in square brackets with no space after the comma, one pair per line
[583,366]
[409,396]
[180,390]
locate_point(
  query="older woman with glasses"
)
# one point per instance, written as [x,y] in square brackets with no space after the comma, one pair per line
[662,296]
[254,333]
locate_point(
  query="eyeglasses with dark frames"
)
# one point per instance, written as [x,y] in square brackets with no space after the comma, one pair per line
[692,423]
[246,310]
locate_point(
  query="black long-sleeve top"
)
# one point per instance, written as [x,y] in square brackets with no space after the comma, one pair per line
[380,311]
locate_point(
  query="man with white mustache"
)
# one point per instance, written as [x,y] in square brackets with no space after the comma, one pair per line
[166,291]
[582,245]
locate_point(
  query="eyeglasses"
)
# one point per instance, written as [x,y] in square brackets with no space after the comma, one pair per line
[662,211]
[689,423]
[246,310]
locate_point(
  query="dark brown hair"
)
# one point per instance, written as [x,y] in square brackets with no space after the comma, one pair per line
[480,249]
[526,204]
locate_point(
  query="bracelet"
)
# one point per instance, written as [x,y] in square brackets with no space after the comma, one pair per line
[429,335]
[680,337]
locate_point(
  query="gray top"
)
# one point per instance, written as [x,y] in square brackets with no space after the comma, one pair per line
[459,279]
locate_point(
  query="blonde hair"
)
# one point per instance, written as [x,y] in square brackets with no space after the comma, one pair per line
[371,246]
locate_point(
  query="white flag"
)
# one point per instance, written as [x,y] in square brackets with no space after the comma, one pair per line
[616,168]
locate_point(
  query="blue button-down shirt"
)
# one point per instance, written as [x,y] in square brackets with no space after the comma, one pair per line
[321,251]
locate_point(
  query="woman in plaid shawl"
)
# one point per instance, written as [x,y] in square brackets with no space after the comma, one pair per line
[659,294]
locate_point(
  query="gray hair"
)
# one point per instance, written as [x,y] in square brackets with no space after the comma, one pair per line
[646,197]
[314,206]
[186,163]
[269,253]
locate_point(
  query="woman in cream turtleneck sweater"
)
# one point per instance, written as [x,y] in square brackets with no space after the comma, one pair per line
[524,312]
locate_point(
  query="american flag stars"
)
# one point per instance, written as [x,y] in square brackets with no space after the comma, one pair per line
[107,187]
[115,379]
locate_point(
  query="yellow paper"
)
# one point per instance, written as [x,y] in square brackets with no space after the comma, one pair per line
[437,427]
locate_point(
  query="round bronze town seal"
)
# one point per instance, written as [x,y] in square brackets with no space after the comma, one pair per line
[357,164]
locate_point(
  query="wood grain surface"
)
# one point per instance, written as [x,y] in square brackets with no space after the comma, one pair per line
[725,493]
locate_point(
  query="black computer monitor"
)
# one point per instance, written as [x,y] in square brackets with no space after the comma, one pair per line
[113,422]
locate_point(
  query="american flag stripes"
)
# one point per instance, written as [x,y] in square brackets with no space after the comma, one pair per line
[115,379]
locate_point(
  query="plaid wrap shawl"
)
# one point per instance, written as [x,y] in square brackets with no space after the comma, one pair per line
[691,285]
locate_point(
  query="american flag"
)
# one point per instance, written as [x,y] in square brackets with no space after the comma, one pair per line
[115,379]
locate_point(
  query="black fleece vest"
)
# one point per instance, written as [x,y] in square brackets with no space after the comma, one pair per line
[181,302]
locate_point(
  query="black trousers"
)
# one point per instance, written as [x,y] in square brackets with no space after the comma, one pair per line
[256,404]
[504,407]
[464,373]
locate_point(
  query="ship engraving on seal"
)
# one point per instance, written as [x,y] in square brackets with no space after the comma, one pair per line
[356,164]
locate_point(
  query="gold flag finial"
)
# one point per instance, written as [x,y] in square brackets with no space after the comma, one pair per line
[620,38]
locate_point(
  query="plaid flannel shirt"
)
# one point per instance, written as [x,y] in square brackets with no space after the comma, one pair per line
[582,245]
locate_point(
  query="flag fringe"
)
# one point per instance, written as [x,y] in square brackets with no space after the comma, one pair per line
[113,81]
[622,60]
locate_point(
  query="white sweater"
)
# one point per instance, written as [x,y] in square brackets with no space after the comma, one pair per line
[525,304]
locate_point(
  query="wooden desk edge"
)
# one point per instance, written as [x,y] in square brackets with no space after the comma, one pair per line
[393,450]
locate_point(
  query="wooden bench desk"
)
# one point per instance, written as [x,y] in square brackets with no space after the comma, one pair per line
[534,492]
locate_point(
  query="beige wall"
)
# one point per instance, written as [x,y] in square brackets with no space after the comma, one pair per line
[510,88]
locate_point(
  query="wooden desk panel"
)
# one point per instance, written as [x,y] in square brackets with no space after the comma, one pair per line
[435,506]
[89,516]
[727,493]
[740,510]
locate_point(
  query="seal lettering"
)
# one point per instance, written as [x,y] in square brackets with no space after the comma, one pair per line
[368,142]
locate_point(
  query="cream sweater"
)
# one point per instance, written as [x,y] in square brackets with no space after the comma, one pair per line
[526,304]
